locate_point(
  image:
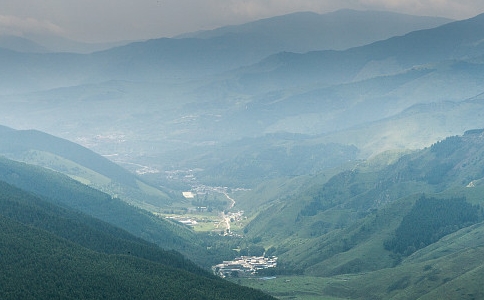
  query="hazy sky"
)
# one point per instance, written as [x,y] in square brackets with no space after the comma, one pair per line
[112,20]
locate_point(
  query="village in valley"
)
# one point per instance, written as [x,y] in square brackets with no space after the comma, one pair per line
[218,220]
[210,208]
[244,266]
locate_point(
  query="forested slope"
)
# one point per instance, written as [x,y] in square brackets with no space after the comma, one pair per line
[373,216]
[52,252]
[61,190]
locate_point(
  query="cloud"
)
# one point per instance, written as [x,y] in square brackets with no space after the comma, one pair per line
[110,20]
[446,8]
[220,12]
[13,25]
[252,9]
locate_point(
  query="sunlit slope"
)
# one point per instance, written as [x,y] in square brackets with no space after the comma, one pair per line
[409,229]
[346,223]
[450,268]
[42,149]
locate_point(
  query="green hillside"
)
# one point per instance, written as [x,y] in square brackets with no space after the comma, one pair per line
[82,164]
[335,161]
[51,252]
[378,231]
[61,190]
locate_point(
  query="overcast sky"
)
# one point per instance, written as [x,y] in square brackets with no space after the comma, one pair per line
[114,20]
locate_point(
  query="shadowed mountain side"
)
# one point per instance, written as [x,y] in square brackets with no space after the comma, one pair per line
[76,227]
[61,190]
[52,252]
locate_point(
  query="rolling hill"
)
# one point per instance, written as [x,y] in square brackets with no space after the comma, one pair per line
[80,163]
[422,212]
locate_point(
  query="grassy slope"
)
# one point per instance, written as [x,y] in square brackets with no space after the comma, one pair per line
[449,269]
[366,206]
[35,147]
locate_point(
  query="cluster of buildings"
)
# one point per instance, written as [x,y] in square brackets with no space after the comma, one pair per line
[184,221]
[244,266]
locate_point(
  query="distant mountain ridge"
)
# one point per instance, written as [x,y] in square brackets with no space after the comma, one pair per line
[32,43]
[316,93]
[172,58]
[339,30]
[336,30]
[456,40]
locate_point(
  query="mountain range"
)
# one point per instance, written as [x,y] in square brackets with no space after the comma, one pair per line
[314,93]
[453,41]
[357,162]
[338,30]
[354,226]
[199,55]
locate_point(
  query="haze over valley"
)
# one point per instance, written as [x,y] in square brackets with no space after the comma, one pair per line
[328,155]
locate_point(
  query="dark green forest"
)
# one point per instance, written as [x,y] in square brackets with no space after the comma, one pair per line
[429,220]
[61,190]
[50,252]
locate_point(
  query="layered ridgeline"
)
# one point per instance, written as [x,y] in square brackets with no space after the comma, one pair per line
[197,54]
[408,229]
[138,91]
[50,251]
[453,41]
[64,191]
[332,92]
[337,30]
